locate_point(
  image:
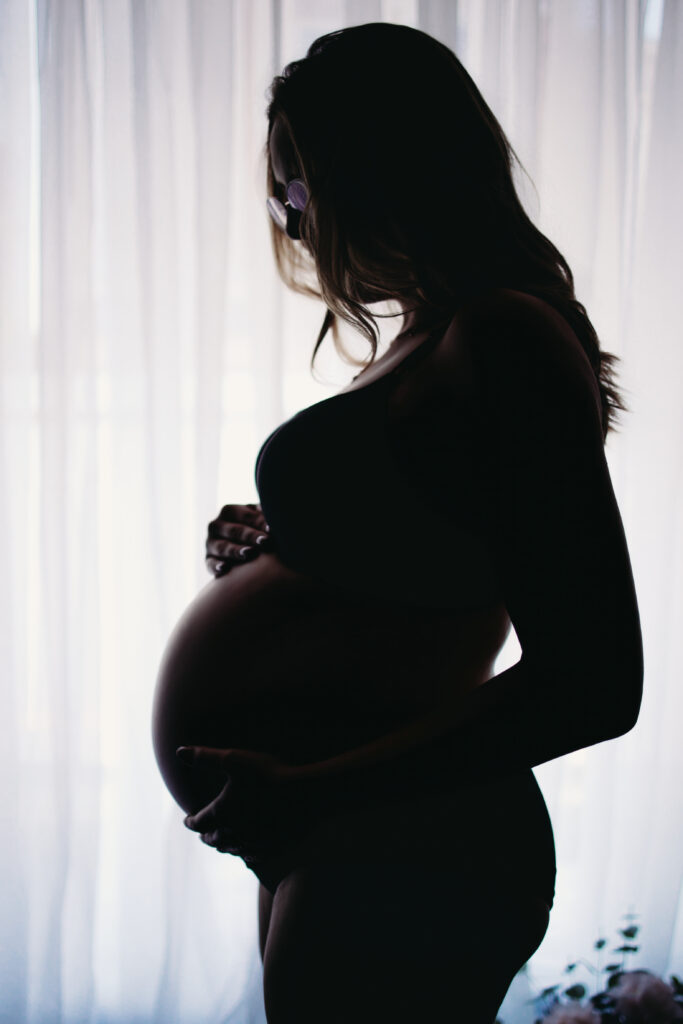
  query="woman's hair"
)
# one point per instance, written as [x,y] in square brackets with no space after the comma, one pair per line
[411,193]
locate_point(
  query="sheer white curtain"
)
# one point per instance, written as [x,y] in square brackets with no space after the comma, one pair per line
[147,347]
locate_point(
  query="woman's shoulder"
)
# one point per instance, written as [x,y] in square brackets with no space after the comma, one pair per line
[509,313]
[517,340]
[487,331]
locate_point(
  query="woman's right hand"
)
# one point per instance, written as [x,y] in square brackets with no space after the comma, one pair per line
[237,535]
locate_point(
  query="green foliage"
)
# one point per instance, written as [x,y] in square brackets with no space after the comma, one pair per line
[607,978]
[576,992]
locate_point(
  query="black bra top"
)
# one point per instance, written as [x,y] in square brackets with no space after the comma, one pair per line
[384,507]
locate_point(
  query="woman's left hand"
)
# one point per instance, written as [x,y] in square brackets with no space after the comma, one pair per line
[259,804]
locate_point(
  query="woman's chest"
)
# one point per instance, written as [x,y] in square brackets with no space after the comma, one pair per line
[385,488]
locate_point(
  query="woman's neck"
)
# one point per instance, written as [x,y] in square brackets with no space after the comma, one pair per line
[420,320]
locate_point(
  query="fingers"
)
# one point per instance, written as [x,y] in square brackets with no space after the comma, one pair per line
[221,837]
[236,536]
[208,818]
[219,841]
[250,515]
[224,841]
[204,821]
[215,757]
[242,842]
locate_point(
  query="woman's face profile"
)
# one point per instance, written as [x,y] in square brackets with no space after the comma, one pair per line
[283,162]
[286,169]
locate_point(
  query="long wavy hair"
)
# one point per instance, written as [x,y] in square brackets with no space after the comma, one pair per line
[411,193]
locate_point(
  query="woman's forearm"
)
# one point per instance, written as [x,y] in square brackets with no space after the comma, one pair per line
[513,721]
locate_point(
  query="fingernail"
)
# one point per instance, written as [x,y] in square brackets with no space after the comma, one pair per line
[247,552]
[219,566]
[262,539]
[185,755]
[266,528]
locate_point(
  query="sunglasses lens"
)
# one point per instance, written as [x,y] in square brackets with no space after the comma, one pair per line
[297,193]
[278,212]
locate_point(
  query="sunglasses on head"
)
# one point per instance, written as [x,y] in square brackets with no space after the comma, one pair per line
[288,214]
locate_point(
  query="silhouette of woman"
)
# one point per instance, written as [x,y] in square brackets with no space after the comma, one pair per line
[331,691]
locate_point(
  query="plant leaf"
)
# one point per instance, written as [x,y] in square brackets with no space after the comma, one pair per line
[576,991]
[630,932]
[569,968]
[602,1001]
[626,949]
[600,943]
[613,967]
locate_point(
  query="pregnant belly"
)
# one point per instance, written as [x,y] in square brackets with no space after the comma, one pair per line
[267,659]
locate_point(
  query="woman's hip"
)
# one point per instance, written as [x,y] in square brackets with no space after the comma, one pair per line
[498,832]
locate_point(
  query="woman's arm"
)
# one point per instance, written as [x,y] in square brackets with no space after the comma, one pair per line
[515,720]
[557,538]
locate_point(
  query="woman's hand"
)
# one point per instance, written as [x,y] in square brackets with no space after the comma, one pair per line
[258,810]
[236,536]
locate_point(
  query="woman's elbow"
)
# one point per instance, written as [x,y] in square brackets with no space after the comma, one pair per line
[627,693]
[611,692]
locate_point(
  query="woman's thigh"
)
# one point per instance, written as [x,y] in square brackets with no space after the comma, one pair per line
[265,909]
[362,942]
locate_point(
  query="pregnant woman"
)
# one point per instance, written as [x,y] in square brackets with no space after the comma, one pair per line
[331,692]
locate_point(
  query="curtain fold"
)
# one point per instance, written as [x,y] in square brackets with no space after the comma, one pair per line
[147,347]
